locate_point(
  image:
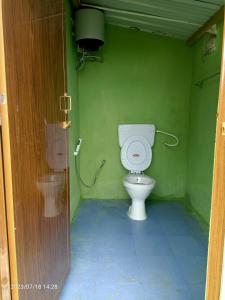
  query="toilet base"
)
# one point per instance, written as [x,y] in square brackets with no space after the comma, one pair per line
[137,210]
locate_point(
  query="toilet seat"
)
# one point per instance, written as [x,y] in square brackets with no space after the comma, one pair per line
[136,154]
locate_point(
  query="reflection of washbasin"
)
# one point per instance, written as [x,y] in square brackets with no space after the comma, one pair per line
[52,186]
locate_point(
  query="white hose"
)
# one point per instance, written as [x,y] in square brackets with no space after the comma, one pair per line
[170,135]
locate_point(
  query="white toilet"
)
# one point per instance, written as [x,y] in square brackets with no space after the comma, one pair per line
[51,187]
[52,184]
[136,143]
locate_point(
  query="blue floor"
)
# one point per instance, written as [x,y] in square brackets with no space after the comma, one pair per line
[115,258]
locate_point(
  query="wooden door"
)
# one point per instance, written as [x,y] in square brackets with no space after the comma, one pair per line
[38,208]
[217,222]
[5,293]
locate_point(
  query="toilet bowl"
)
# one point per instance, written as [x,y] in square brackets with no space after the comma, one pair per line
[139,187]
[136,156]
[51,187]
[52,184]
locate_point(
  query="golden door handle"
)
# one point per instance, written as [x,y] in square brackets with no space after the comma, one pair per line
[65,124]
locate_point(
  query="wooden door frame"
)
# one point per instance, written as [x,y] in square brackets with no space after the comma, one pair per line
[7,167]
[217,219]
[5,291]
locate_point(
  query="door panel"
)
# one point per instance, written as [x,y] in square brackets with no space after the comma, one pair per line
[217,221]
[33,44]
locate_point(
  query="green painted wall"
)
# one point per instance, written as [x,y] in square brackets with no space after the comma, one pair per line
[202,127]
[72,86]
[144,78]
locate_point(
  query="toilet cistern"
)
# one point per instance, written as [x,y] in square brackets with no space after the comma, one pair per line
[136,143]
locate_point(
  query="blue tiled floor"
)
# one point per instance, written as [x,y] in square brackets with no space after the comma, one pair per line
[115,258]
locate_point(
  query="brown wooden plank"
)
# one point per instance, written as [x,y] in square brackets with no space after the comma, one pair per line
[217,223]
[34,77]
[7,166]
[218,16]
[5,291]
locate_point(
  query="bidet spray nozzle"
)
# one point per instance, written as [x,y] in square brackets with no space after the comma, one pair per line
[78,145]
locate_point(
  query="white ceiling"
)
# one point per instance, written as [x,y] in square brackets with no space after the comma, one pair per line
[176,18]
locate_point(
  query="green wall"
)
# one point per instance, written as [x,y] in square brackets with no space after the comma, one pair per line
[203,110]
[144,78]
[72,86]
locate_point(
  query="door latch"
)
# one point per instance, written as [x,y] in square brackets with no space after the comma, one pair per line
[65,106]
[65,103]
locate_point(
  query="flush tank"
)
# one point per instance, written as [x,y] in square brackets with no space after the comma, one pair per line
[89,28]
[126,131]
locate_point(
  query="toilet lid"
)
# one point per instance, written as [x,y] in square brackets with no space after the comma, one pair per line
[136,154]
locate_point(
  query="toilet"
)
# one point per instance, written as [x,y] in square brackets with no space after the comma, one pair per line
[52,184]
[136,141]
[51,187]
